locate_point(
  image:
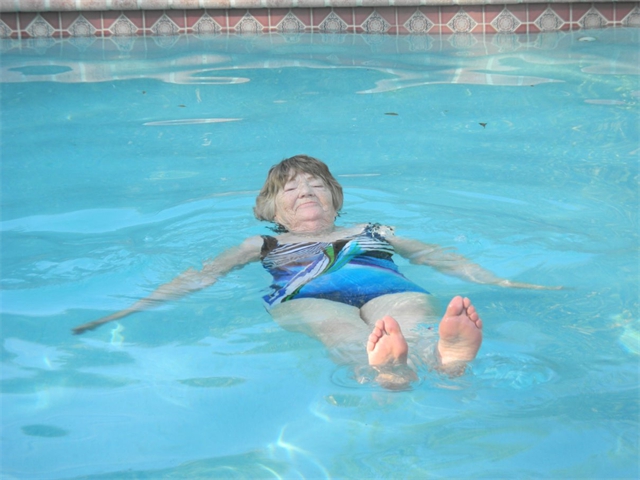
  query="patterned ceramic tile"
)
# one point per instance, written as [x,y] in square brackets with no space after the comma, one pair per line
[506,22]
[164,18]
[81,27]
[418,23]
[632,19]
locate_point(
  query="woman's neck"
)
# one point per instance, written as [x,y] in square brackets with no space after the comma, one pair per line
[317,230]
[312,229]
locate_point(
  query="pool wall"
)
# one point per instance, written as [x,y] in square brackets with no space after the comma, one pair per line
[24,19]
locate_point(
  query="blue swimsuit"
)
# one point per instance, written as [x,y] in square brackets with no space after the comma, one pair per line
[352,270]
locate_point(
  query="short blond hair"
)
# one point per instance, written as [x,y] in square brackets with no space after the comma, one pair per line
[284,171]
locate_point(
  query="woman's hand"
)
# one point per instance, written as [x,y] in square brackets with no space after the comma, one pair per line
[188,282]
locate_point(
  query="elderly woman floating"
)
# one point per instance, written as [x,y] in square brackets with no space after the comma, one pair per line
[340,285]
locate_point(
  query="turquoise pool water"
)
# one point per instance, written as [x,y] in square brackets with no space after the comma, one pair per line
[127,161]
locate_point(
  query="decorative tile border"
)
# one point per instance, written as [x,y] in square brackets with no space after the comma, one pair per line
[124,5]
[511,18]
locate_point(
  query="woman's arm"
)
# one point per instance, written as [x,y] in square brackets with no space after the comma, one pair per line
[189,281]
[451,263]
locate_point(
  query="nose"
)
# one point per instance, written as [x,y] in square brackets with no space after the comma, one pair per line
[304,189]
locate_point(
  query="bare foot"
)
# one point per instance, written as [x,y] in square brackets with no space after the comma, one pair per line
[460,332]
[386,345]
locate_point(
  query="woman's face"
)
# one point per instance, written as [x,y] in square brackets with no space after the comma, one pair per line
[304,198]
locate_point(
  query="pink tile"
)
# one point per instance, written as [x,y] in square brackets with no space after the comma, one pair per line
[345,14]
[220,17]
[578,10]
[447,13]
[276,15]
[488,28]
[109,18]
[532,28]
[234,16]
[477,13]
[177,16]
[519,11]
[360,15]
[389,14]
[67,19]
[136,17]
[151,17]
[534,10]
[10,19]
[607,10]
[95,19]
[318,15]
[52,18]
[262,16]
[523,28]
[26,18]
[405,13]
[192,17]
[491,12]
[623,9]
[563,11]
[304,15]
[185,14]
[433,14]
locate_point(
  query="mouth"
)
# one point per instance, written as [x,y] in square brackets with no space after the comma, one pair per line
[307,204]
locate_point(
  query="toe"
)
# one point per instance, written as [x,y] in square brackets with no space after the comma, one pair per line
[455,306]
[390,325]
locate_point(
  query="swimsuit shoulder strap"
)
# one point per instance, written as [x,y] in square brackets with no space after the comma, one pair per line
[268,244]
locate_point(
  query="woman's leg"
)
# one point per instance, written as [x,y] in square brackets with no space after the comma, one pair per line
[337,325]
[409,309]
[348,338]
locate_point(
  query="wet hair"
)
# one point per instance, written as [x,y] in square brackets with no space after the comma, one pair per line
[284,171]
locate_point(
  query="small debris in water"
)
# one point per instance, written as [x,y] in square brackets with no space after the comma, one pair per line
[587,39]
[483,124]
[392,113]
[181,106]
